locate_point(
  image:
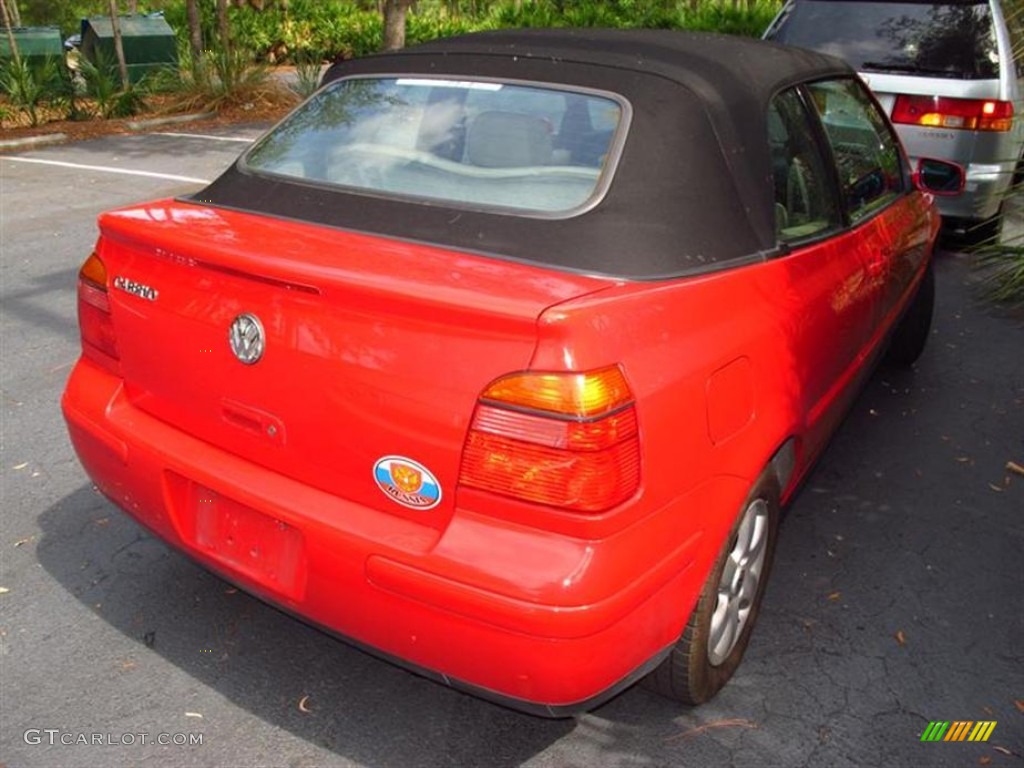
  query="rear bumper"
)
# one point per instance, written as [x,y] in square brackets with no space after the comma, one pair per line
[390,587]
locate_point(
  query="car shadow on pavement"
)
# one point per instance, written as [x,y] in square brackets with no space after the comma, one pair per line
[363,709]
[264,661]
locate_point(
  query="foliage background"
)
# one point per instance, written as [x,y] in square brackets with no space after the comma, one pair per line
[286,30]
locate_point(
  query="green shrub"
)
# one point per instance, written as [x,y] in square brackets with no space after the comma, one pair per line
[325,28]
[1001,261]
[222,79]
[707,16]
[1003,280]
[749,21]
[29,86]
[103,84]
[307,73]
[311,28]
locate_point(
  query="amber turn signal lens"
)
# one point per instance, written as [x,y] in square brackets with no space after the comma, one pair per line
[584,395]
[94,271]
[99,342]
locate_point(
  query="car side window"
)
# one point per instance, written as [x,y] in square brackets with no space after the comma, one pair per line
[805,204]
[867,152]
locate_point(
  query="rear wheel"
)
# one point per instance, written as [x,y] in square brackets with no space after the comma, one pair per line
[718,632]
[911,335]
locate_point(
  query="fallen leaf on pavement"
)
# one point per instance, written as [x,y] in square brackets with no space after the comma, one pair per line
[901,638]
[23,542]
[963,459]
[1004,751]
[21,466]
[835,595]
[303,707]
[1013,466]
[194,714]
[1019,704]
[984,760]
[996,488]
[4,590]
[734,723]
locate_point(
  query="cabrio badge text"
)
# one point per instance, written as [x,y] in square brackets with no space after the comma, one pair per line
[246,337]
[135,289]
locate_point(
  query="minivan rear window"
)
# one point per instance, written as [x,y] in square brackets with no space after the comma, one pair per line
[517,147]
[935,40]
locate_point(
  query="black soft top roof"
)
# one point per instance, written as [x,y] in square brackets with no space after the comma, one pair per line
[747,68]
[693,189]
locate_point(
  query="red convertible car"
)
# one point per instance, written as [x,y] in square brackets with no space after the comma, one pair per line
[500,354]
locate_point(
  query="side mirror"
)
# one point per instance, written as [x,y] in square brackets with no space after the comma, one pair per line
[939,177]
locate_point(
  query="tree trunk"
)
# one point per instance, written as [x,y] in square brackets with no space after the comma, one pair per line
[10,34]
[122,65]
[15,13]
[394,23]
[133,7]
[223,27]
[195,34]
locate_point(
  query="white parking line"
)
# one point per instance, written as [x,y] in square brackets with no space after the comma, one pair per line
[203,136]
[106,169]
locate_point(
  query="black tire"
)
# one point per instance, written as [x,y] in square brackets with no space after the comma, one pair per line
[911,335]
[690,674]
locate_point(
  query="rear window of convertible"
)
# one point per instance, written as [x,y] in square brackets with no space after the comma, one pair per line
[521,148]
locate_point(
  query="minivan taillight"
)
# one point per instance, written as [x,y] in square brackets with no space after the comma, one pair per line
[958,114]
[566,440]
[94,321]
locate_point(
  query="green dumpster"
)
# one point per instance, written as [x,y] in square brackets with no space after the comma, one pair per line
[35,44]
[149,44]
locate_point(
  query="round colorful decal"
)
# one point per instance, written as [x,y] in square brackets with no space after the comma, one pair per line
[407,482]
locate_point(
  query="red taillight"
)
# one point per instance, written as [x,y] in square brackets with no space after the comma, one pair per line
[94,321]
[567,440]
[958,114]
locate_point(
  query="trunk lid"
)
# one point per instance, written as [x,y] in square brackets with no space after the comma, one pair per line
[373,348]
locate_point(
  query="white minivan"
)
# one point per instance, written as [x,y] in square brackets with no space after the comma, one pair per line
[951,76]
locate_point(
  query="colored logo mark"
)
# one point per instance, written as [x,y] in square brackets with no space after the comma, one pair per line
[958,730]
[407,482]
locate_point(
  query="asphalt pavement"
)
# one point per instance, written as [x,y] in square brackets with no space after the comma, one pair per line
[897,596]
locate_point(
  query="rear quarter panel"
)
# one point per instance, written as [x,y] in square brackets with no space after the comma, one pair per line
[727,366]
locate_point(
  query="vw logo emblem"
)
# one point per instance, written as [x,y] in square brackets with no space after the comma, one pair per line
[246,337]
